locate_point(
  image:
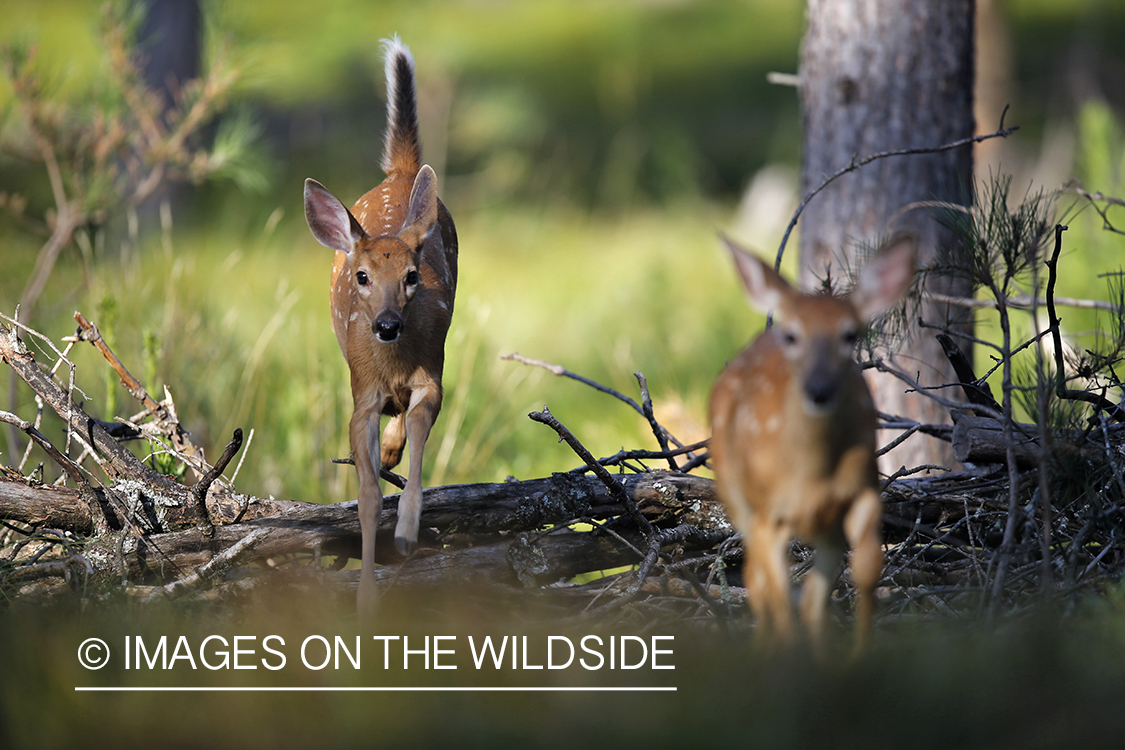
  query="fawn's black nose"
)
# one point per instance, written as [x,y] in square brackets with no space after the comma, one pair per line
[387,329]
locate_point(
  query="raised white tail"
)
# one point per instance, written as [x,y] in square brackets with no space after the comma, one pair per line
[394,276]
[793,439]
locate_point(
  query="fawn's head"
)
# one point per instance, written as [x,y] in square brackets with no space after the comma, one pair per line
[817,334]
[383,271]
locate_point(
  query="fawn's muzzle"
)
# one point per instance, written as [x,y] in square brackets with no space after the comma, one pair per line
[387,328]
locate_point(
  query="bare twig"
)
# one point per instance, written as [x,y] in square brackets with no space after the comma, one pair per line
[1023,302]
[72,469]
[611,484]
[87,331]
[881,366]
[663,437]
[633,455]
[857,163]
[217,566]
[1095,198]
[164,415]
[384,473]
[658,432]
[199,489]
[1098,402]
[562,372]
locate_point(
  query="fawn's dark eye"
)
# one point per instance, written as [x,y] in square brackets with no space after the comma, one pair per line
[850,337]
[789,337]
[411,278]
[361,278]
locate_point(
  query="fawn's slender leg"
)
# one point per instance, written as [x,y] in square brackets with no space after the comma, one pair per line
[766,573]
[364,434]
[819,582]
[863,528]
[425,403]
[394,437]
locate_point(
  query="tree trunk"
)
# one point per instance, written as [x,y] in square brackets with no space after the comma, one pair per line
[170,41]
[878,75]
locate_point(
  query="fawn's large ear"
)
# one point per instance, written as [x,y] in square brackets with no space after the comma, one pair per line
[330,223]
[885,278]
[765,286]
[421,213]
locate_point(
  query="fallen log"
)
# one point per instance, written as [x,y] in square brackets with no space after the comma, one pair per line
[980,440]
[456,515]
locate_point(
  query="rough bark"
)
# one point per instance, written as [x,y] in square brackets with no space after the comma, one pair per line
[503,516]
[878,75]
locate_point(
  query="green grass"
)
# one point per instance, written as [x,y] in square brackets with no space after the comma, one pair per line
[237,320]
[239,333]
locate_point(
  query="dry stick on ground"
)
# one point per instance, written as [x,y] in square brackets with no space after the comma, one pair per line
[384,473]
[120,463]
[614,487]
[73,470]
[217,567]
[656,539]
[199,489]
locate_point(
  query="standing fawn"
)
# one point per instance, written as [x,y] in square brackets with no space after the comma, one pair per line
[793,440]
[394,275]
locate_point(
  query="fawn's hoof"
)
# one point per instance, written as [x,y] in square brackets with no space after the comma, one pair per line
[405,546]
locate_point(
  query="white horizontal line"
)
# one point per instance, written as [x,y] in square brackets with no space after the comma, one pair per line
[381,689]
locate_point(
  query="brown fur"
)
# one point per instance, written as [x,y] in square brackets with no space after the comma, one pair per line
[395,230]
[788,465]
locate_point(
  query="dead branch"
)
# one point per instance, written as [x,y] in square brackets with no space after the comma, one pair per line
[120,463]
[165,421]
[615,488]
[663,436]
[976,390]
[478,515]
[47,506]
[217,567]
[1019,303]
[199,489]
[857,163]
[980,440]
[1094,198]
[72,469]
[1099,402]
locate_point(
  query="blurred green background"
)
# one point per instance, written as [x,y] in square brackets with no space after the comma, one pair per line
[589,152]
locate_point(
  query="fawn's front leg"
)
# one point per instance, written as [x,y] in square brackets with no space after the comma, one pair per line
[425,403]
[364,437]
